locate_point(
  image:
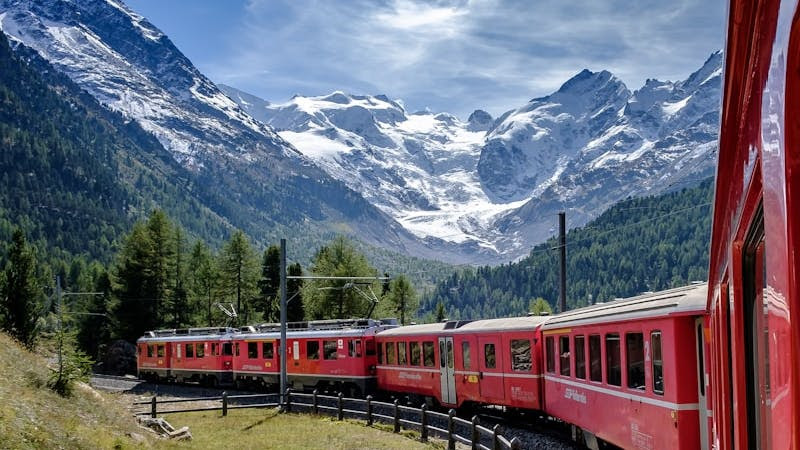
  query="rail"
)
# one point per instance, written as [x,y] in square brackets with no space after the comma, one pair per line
[448,427]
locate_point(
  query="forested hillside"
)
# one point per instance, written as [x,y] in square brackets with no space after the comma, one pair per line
[640,244]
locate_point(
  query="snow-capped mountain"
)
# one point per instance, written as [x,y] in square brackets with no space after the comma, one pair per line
[260,181]
[496,185]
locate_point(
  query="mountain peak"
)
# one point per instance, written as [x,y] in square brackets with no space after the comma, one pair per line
[586,81]
[479,120]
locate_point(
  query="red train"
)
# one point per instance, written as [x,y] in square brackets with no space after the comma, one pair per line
[697,367]
[755,262]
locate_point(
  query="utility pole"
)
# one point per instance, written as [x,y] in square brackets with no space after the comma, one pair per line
[562,244]
[284,345]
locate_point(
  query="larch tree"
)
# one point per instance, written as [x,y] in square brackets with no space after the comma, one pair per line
[239,273]
[402,298]
[204,278]
[269,285]
[20,292]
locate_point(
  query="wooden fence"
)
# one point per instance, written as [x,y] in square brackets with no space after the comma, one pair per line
[431,423]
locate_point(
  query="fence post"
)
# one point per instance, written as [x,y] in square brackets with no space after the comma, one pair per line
[153,413]
[476,439]
[369,410]
[515,444]
[451,440]
[316,404]
[341,406]
[288,401]
[495,437]
[396,416]
[224,403]
[424,423]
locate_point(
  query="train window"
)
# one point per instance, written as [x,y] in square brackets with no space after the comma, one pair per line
[267,350]
[613,369]
[634,355]
[414,353]
[329,348]
[465,356]
[160,351]
[489,356]
[189,350]
[450,354]
[354,348]
[521,355]
[252,350]
[236,349]
[312,349]
[380,352]
[580,357]
[658,363]
[151,349]
[390,353]
[564,355]
[441,354]
[227,349]
[214,349]
[200,351]
[551,354]
[401,353]
[370,348]
[595,364]
[428,357]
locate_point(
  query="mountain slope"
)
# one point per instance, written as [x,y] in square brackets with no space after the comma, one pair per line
[244,172]
[493,187]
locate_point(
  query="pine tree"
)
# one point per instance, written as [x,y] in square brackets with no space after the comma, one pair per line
[239,273]
[180,302]
[269,285]
[204,278]
[94,329]
[538,306]
[402,297]
[160,231]
[21,294]
[136,290]
[337,299]
[441,315]
[294,291]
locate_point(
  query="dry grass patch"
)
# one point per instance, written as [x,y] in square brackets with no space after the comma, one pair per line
[32,416]
[266,429]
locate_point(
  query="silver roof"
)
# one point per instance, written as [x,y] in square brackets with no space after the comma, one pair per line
[455,327]
[679,301]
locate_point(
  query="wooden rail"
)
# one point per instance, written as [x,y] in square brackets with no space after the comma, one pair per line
[366,411]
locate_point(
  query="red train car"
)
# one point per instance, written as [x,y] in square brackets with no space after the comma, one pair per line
[330,355]
[491,361]
[632,372]
[194,354]
[755,261]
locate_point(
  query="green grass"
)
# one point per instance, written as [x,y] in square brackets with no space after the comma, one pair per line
[266,429]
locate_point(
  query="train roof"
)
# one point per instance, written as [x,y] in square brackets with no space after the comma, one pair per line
[187,334]
[469,326]
[673,302]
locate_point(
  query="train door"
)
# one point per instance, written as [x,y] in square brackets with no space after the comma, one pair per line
[756,356]
[702,401]
[447,369]
[491,369]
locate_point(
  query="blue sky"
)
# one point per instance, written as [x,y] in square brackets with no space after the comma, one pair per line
[452,56]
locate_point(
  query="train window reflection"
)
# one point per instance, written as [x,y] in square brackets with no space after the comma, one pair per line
[227,349]
[658,363]
[580,357]
[190,350]
[390,353]
[160,351]
[465,356]
[200,351]
[564,355]
[551,355]
[312,349]
[330,349]
[427,354]
[489,356]
[267,350]
[380,352]
[252,350]
[595,363]
[521,355]
[401,353]
[613,369]
[415,353]
[634,354]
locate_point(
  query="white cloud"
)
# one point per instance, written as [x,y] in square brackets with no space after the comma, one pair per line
[461,55]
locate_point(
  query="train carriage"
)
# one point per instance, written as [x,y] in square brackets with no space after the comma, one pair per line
[632,372]
[492,361]
[335,355]
[754,274]
[192,354]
